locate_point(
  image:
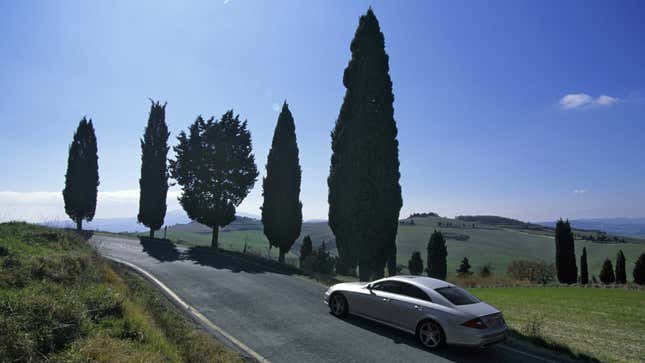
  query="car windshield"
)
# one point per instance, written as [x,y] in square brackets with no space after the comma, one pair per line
[457,295]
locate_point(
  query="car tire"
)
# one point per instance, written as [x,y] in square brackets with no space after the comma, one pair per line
[338,305]
[430,334]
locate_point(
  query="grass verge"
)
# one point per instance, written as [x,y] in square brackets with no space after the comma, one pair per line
[60,302]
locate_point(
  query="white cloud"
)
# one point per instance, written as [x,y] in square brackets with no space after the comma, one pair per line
[582,100]
[579,191]
[605,100]
[276,107]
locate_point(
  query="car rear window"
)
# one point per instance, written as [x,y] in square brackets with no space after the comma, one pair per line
[457,295]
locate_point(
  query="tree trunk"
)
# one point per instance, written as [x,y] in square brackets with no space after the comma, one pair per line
[152,233]
[215,239]
[281,257]
[364,272]
[79,224]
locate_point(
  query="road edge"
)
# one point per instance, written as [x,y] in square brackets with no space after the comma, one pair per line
[194,314]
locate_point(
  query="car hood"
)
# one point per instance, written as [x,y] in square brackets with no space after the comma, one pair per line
[352,286]
[478,309]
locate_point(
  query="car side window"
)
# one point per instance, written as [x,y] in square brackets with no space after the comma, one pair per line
[414,292]
[388,286]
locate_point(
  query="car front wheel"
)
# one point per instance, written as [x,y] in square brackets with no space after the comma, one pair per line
[338,305]
[430,334]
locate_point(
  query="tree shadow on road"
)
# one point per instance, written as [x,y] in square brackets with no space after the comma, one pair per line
[160,249]
[232,261]
[452,353]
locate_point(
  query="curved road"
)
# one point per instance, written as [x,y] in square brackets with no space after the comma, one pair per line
[281,317]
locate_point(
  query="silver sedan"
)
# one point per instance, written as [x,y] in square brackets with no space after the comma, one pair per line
[437,312]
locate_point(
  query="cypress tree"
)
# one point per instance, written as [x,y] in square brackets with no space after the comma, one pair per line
[215,168]
[305,250]
[82,176]
[621,273]
[282,209]
[153,184]
[437,253]
[565,254]
[639,270]
[584,273]
[364,192]
[607,273]
[464,268]
[415,265]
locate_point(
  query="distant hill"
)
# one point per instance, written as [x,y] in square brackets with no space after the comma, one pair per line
[239,224]
[116,225]
[630,227]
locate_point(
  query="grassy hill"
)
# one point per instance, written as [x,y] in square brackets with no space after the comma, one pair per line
[481,238]
[59,302]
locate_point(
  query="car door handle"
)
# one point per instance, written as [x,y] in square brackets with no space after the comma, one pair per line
[385,299]
[417,307]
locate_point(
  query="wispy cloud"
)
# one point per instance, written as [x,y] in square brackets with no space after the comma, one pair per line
[579,191]
[46,206]
[276,107]
[582,100]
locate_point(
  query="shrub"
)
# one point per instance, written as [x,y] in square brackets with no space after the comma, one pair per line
[415,265]
[464,268]
[486,270]
[320,261]
[607,273]
[534,271]
[639,270]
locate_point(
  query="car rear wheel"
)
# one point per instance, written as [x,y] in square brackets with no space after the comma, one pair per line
[430,334]
[338,305]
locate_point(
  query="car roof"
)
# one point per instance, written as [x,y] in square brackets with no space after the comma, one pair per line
[427,282]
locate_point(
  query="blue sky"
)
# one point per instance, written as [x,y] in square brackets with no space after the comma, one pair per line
[527,110]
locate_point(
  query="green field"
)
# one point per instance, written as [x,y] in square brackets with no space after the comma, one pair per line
[604,323]
[498,245]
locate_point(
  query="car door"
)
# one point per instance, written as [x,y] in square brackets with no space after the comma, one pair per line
[381,294]
[408,307]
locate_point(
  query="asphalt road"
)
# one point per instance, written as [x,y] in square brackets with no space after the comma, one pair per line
[282,317]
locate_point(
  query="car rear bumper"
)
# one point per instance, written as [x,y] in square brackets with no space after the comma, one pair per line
[472,338]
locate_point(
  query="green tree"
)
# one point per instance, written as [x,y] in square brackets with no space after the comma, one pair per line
[584,272]
[464,268]
[607,273]
[437,253]
[639,270]
[82,176]
[305,250]
[153,184]
[621,273]
[415,264]
[282,209]
[364,191]
[215,168]
[565,254]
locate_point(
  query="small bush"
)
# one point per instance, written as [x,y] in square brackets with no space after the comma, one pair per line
[415,265]
[607,273]
[320,261]
[534,271]
[486,270]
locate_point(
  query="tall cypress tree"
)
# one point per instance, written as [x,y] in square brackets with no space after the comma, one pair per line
[437,253]
[82,176]
[215,168]
[305,250]
[364,192]
[282,209]
[607,273]
[639,270]
[584,272]
[565,254]
[621,273]
[153,184]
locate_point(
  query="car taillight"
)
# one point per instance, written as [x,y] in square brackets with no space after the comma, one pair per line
[476,323]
